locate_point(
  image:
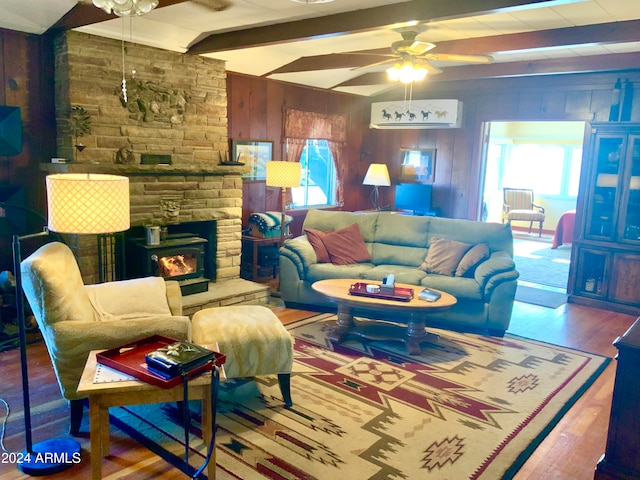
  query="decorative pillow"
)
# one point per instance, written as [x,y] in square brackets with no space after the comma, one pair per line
[346,246]
[444,256]
[315,239]
[477,254]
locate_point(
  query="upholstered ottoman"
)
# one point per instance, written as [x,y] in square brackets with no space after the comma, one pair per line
[253,339]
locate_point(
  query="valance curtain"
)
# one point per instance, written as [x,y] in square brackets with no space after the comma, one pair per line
[299,126]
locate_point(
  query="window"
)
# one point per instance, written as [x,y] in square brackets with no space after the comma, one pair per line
[547,169]
[318,182]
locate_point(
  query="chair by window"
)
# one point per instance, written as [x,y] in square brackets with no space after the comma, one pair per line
[519,206]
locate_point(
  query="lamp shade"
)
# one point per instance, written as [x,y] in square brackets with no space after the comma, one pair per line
[283,174]
[377,174]
[87,203]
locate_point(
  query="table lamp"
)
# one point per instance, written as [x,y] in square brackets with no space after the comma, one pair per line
[283,174]
[77,203]
[378,176]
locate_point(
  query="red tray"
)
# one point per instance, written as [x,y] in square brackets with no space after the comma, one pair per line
[130,359]
[399,294]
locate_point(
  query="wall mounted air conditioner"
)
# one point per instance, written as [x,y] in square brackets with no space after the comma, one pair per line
[417,114]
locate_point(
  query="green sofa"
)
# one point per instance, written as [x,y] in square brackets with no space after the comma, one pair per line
[398,244]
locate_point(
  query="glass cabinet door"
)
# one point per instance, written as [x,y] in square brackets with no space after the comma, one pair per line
[593,268]
[601,221]
[630,210]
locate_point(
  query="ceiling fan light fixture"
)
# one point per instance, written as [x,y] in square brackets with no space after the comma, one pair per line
[126,8]
[407,72]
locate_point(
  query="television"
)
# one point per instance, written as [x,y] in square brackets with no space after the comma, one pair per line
[415,197]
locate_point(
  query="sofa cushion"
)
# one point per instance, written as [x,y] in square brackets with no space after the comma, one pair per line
[346,246]
[464,289]
[315,239]
[324,271]
[403,274]
[474,256]
[444,255]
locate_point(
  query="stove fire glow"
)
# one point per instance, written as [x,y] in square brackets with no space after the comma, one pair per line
[177,265]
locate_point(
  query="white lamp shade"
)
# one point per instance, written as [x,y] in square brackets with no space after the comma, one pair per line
[283,174]
[87,203]
[377,174]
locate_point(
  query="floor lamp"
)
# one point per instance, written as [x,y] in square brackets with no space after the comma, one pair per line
[378,176]
[78,204]
[283,174]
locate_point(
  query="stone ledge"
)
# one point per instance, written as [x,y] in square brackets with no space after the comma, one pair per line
[229,292]
[115,169]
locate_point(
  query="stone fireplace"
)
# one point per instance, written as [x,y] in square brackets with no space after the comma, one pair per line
[169,137]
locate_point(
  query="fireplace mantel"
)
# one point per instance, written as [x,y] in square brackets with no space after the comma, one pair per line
[128,170]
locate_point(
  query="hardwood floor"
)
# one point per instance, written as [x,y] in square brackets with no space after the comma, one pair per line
[569,452]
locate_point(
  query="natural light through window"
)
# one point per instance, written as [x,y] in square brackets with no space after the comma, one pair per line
[318,183]
[552,170]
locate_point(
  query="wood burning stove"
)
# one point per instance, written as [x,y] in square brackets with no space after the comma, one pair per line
[179,257]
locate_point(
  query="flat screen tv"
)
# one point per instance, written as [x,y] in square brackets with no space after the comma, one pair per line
[10,130]
[415,197]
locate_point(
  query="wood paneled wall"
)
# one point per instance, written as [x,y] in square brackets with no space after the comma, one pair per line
[459,173]
[26,74]
[255,112]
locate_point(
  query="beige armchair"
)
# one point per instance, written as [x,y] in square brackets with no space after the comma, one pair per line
[75,318]
[519,206]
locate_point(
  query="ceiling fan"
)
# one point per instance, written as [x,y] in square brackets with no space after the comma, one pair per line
[413,55]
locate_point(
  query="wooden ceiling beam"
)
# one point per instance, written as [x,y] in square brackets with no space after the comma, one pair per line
[87,14]
[615,32]
[359,21]
[555,66]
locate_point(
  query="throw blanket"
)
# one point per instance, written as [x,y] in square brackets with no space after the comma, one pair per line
[139,297]
[268,220]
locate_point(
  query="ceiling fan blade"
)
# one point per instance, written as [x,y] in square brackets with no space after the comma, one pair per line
[371,65]
[432,69]
[453,57]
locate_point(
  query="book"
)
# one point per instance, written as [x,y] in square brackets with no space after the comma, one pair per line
[177,358]
[429,295]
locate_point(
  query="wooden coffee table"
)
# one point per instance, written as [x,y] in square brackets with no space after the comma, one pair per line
[413,312]
[135,392]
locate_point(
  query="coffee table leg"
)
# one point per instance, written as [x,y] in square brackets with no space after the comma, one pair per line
[416,334]
[343,325]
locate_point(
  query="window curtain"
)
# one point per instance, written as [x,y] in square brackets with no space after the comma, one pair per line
[300,126]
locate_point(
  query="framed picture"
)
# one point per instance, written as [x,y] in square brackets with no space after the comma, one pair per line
[255,154]
[417,165]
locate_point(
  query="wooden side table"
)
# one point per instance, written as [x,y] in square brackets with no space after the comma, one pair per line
[252,244]
[135,392]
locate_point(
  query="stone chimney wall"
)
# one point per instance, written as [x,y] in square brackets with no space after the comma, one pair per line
[177,106]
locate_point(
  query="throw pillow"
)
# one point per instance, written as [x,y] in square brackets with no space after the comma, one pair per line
[444,256]
[315,239]
[346,246]
[477,254]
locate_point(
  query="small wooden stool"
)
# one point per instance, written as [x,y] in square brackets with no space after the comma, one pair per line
[253,339]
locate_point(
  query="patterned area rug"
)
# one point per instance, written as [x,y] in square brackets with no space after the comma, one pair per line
[468,407]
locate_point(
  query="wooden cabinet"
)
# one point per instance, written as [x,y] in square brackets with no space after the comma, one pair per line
[621,460]
[605,270]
